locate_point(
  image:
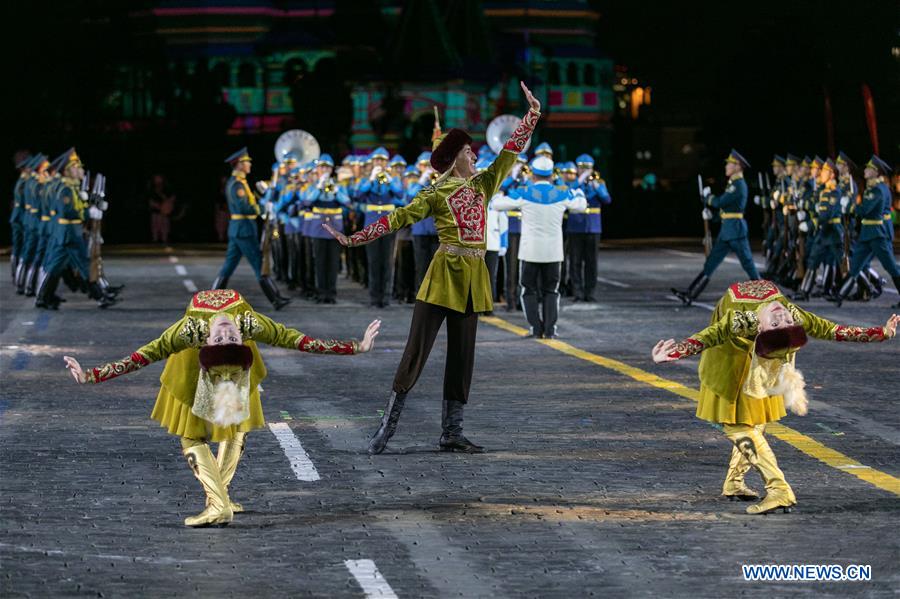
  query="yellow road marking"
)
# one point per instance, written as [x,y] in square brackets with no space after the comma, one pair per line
[792,437]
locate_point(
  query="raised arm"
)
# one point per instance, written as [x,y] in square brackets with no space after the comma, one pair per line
[263,329]
[418,209]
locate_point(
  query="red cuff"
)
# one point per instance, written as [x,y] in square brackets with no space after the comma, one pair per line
[379,228]
[859,334]
[519,138]
[327,346]
[688,347]
[135,361]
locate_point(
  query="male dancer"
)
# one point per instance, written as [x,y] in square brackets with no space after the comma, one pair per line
[457,285]
[747,377]
[219,329]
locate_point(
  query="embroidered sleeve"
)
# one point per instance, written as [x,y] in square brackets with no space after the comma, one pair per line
[518,139]
[379,228]
[327,346]
[688,347]
[194,331]
[859,334]
[744,323]
[248,325]
[135,361]
[417,209]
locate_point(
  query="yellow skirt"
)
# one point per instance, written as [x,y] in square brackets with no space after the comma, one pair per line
[743,410]
[177,418]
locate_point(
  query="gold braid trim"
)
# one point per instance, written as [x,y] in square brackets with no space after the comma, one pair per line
[859,334]
[685,348]
[248,325]
[327,346]
[135,361]
[744,323]
[194,332]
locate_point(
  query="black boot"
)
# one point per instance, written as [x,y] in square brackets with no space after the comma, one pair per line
[103,301]
[846,289]
[875,282]
[220,283]
[693,291]
[809,279]
[388,423]
[271,291]
[21,275]
[452,438]
[13,262]
[31,280]
[110,289]
[46,295]
[897,287]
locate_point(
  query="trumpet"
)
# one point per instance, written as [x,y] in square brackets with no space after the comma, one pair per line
[434,177]
[383,177]
[329,186]
[594,177]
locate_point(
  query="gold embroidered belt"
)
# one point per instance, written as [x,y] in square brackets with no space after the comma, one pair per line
[243,217]
[873,221]
[66,221]
[514,213]
[327,210]
[455,250]
[380,207]
[592,211]
[731,215]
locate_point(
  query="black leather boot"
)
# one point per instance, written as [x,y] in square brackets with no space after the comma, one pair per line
[875,282]
[846,289]
[271,291]
[103,301]
[693,291]
[13,262]
[452,438]
[809,279]
[897,287]
[388,423]
[109,289]
[46,295]
[220,283]
[21,272]
[31,280]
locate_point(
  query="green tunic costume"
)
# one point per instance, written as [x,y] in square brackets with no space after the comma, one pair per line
[181,343]
[727,346]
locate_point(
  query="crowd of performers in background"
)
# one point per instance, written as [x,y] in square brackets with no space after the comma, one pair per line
[299,198]
[56,230]
[822,227]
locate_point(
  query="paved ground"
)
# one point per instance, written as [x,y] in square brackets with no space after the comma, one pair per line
[596,484]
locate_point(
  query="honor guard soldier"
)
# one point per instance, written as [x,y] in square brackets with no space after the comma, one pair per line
[31,221]
[849,192]
[243,236]
[326,200]
[380,194]
[424,235]
[68,249]
[874,238]
[826,247]
[17,217]
[774,201]
[584,229]
[733,234]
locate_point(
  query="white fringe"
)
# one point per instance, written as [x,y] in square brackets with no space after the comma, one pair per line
[792,386]
[228,408]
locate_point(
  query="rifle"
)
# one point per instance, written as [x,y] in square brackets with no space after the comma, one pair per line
[96,200]
[800,249]
[707,236]
[266,242]
[845,259]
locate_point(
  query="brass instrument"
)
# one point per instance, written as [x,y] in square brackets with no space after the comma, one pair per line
[434,177]
[594,177]
[299,143]
[500,130]
[329,186]
[383,177]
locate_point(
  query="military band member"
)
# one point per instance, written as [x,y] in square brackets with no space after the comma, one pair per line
[733,234]
[404,284]
[327,201]
[829,237]
[211,385]
[379,195]
[541,253]
[747,377]
[424,235]
[243,236]
[518,178]
[584,229]
[874,238]
[457,285]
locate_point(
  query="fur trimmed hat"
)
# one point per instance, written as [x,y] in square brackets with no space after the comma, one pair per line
[446,147]
[231,354]
[777,343]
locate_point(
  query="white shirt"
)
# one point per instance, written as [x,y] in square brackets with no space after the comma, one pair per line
[497,228]
[543,206]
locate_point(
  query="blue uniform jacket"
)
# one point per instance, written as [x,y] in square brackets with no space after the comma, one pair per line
[387,196]
[70,212]
[871,212]
[731,206]
[18,211]
[828,216]
[597,195]
[326,207]
[426,225]
[241,204]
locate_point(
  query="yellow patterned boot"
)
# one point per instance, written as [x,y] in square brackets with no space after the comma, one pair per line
[230,453]
[734,487]
[203,464]
[753,445]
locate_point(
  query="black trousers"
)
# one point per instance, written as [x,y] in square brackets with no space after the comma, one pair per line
[512,272]
[328,262]
[540,295]
[583,263]
[380,257]
[461,330]
[424,247]
[405,269]
[491,259]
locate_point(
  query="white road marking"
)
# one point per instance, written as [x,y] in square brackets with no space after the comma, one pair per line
[370,579]
[189,285]
[300,463]
[614,283]
[173,259]
[180,269]
[698,304]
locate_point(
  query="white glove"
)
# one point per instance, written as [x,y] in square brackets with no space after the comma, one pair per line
[516,169]
[103,205]
[707,213]
[706,192]
[804,227]
[583,177]
[845,201]
[757,200]
[425,177]
[262,187]
[95,213]
[801,216]
[773,204]
[375,172]
[83,195]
